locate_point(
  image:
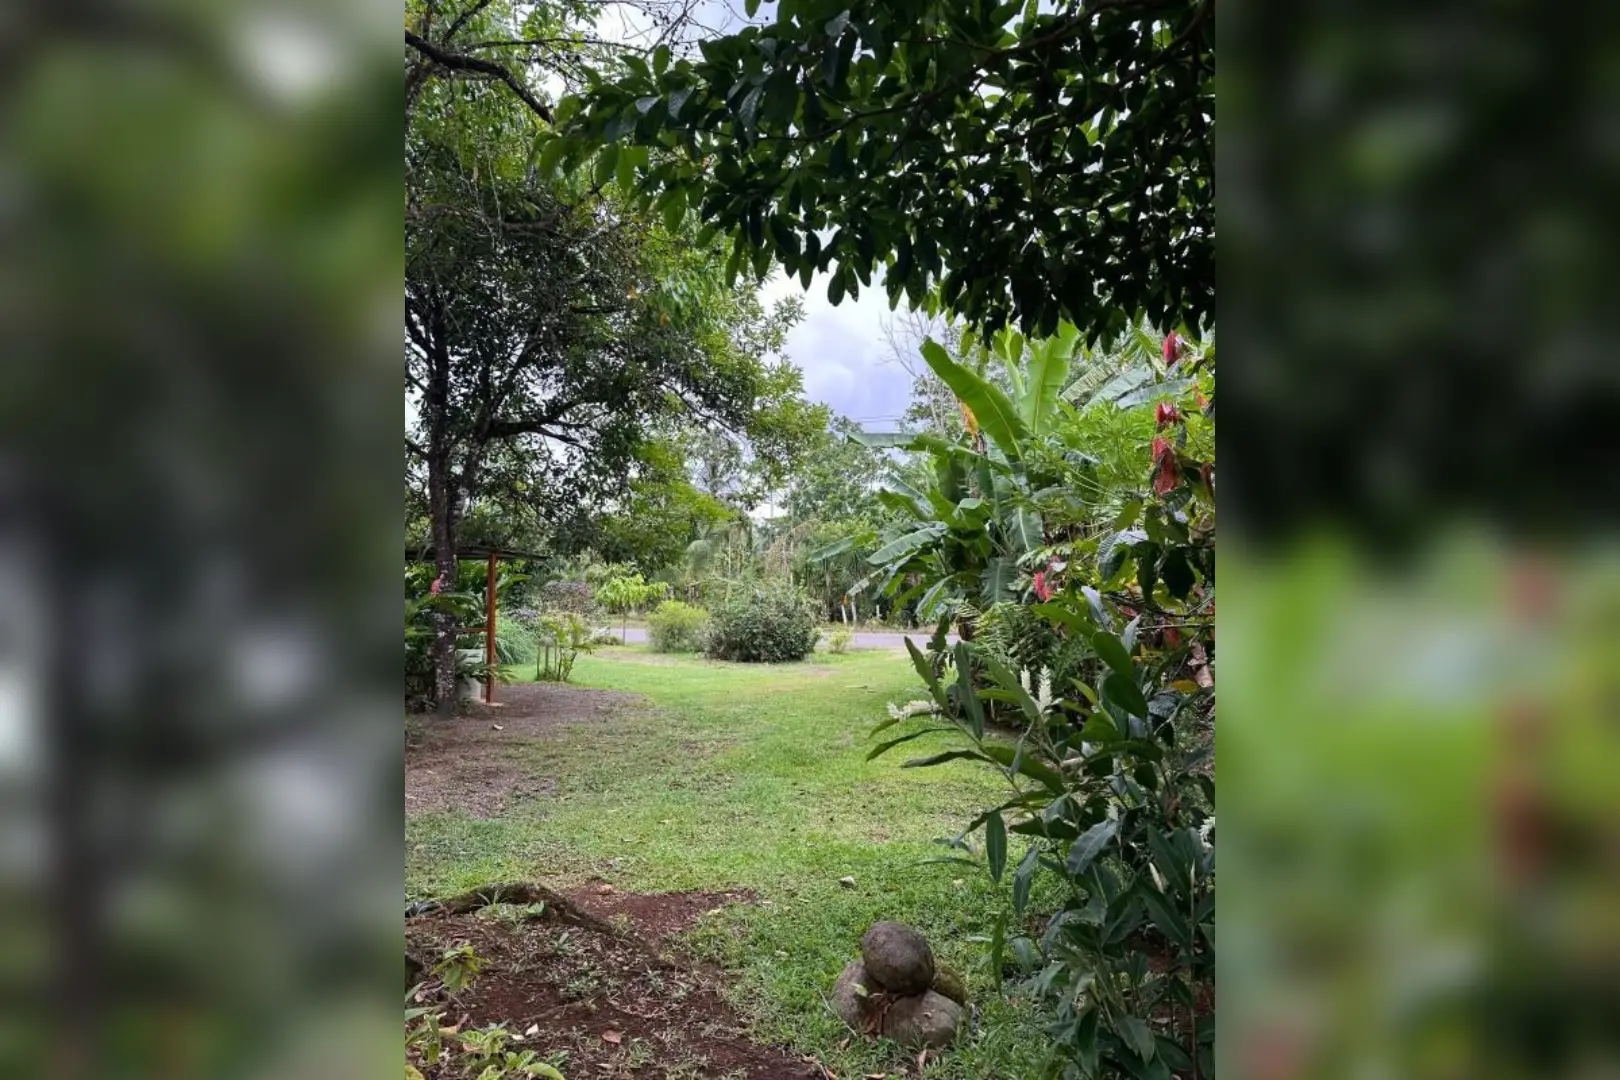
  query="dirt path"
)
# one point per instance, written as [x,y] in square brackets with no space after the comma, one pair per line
[467,764]
[618,1005]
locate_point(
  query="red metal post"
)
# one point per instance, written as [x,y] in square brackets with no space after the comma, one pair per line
[489,633]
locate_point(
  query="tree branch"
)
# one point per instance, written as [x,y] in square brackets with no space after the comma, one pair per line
[459,62]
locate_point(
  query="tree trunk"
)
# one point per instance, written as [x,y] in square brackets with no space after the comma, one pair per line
[441,509]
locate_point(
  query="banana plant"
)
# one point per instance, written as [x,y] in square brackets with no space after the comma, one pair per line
[970,534]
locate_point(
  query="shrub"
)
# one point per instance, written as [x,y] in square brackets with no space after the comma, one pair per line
[677,627]
[575,596]
[562,637]
[765,625]
[839,640]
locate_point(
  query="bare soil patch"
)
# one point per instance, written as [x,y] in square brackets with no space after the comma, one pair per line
[653,916]
[467,764]
[621,1005]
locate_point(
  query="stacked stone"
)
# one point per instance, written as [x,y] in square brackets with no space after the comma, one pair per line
[896,990]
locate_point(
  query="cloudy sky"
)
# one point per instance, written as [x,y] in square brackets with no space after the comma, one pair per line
[842,352]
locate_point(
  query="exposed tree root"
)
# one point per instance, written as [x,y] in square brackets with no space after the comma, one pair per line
[557,906]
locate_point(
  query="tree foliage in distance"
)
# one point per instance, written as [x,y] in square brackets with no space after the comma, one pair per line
[929,140]
[549,328]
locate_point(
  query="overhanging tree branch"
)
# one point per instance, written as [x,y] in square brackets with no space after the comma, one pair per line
[455,61]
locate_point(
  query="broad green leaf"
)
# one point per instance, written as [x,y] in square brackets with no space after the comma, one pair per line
[1043,774]
[674,211]
[995,412]
[551,155]
[1023,876]
[606,162]
[1147,569]
[1099,614]
[1136,1036]
[1008,680]
[1091,844]
[1113,653]
[926,670]
[930,599]
[965,691]
[904,545]
[1123,691]
[1048,371]
[995,845]
[1177,574]
[1099,728]
[1025,529]
[837,547]
[1059,612]
[999,574]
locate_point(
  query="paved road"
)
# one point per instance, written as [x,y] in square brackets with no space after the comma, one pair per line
[864,639]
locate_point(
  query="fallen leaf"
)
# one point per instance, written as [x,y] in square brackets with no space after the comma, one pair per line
[497,727]
[877,1076]
[845,1043]
[532,1029]
[613,1037]
[604,890]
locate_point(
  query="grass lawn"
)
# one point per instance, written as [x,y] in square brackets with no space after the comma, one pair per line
[754,776]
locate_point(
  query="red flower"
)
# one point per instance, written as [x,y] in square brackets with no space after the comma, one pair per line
[1042,591]
[438,583]
[1172,636]
[1208,472]
[1167,414]
[1172,348]
[1166,473]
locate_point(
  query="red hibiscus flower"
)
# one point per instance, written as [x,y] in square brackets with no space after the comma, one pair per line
[1167,414]
[1172,349]
[1042,591]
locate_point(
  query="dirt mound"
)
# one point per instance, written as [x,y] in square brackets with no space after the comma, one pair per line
[467,764]
[617,1005]
[654,916]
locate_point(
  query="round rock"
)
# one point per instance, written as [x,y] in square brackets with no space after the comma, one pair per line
[925,1020]
[898,958]
[950,984]
[852,996]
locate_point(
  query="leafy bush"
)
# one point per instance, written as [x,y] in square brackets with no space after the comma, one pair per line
[575,596]
[675,626]
[1104,654]
[765,625]
[839,641]
[562,637]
